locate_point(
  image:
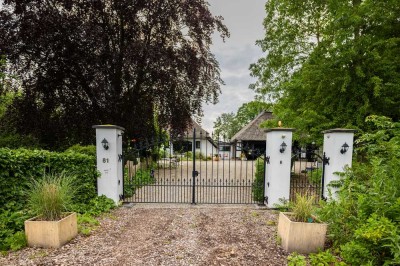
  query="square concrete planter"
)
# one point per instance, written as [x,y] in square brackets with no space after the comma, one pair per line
[301,237]
[51,234]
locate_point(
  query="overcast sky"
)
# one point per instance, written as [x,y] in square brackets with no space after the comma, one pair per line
[244,20]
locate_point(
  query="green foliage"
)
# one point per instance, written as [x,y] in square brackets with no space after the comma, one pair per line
[187,156]
[315,176]
[51,195]
[302,208]
[330,63]
[228,124]
[13,140]
[364,221]
[284,205]
[258,184]
[16,241]
[18,168]
[88,150]
[95,206]
[141,178]
[11,222]
[295,259]
[97,74]
[87,213]
[324,258]
[200,156]
[86,224]
[356,253]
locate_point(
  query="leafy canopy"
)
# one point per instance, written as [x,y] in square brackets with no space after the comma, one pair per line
[108,62]
[228,124]
[330,63]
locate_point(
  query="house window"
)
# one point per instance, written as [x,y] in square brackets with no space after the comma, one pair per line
[224,148]
[238,146]
[197,144]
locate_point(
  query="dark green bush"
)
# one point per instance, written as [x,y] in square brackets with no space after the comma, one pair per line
[15,141]
[258,184]
[95,207]
[19,167]
[17,170]
[141,178]
[364,221]
[88,150]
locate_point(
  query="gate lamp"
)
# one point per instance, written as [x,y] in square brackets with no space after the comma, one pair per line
[345,148]
[104,142]
[283,147]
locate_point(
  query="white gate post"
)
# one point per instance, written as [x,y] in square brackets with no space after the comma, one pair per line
[338,147]
[109,161]
[277,168]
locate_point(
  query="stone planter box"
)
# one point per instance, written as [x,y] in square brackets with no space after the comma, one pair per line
[301,237]
[51,234]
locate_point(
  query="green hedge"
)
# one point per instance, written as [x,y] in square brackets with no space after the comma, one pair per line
[19,167]
[258,184]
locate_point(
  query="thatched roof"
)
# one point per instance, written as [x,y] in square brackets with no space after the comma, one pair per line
[199,131]
[252,131]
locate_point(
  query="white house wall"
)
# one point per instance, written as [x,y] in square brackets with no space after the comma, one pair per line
[206,148]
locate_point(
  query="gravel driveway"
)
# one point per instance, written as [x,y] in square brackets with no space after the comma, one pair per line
[169,235]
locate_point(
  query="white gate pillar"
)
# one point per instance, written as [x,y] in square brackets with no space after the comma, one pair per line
[278,162]
[338,147]
[109,161]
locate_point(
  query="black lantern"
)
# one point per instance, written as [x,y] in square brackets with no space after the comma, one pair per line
[345,148]
[283,147]
[105,144]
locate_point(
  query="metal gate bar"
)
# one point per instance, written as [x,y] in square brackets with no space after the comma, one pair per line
[187,178]
[307,175]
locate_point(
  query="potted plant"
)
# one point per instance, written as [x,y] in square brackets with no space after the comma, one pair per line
[299,230]
[216,157]
[49,198]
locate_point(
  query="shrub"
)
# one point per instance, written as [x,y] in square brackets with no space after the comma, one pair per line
[14,141]
[141,178]
[16,241]
[295,259]
[11,222]
[324,258]
[258,184]
[364,220]
[88,150]
[95,207]
[17,170]
[18,167]
[315,176]
[200,156]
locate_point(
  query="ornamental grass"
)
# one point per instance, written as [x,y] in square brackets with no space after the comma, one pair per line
[51,196]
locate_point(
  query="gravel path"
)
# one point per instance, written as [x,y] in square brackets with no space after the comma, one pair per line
[169,235]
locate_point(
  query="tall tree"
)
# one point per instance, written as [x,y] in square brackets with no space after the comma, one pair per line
[121,62]
[331,63]
[228,124]
[225,126]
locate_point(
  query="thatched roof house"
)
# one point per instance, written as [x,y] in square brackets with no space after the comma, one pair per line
[251,138]
[202,142]
[200,132]
[252,131]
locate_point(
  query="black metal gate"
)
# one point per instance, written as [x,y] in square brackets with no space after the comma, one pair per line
[307,174]
[191,169]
